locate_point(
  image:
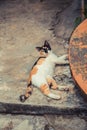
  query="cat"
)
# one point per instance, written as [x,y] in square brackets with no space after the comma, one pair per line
[41,74]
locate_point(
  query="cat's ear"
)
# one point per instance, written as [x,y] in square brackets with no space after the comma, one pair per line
[46,44]
[38,48]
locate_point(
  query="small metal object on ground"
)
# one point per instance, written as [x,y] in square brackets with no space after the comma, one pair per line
[78,55]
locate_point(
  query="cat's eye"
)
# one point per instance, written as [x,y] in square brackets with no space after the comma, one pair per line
[45,50]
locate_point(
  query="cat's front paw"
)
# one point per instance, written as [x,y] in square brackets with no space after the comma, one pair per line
[66,60]
[22,98]
[65,56]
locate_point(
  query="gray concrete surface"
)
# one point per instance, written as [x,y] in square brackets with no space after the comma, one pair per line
[9,122]
[24,24]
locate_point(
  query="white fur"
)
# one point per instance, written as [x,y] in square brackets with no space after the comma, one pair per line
[46,69]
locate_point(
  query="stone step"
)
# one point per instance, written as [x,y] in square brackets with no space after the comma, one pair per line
[46,122]
[41,110]
[23,126]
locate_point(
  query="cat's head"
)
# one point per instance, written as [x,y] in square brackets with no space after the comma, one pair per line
[45,49]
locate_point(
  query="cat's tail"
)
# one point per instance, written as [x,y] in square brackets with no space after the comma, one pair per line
[46,91]
[27,93]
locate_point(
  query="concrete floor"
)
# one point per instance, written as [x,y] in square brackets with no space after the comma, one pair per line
[23,25]
[46,122]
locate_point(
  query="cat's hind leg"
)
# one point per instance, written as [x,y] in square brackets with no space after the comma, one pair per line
[27,93]
[63,88]
[53,85]
[46,91]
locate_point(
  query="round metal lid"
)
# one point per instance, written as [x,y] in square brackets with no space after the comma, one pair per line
[78,55]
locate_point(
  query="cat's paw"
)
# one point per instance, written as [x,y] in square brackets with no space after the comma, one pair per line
[64,57]
[53,96]
[63,88]
[22,98]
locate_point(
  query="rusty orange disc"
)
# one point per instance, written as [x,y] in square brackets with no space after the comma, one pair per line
[78,55]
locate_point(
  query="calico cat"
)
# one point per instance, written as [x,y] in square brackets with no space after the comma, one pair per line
[41,74]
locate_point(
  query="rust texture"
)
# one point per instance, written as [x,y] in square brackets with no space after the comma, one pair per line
[78,55]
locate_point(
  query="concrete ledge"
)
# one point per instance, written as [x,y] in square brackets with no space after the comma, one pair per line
[8,108]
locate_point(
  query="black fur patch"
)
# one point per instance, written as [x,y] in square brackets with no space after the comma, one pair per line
[38,48]
[30,93]
[23,98]
[46,44]
[50,86]
[45,50]
[45,47]
[37,61]
[29,84]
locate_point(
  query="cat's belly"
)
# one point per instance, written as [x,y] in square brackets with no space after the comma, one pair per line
[42,74]
[38,80]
